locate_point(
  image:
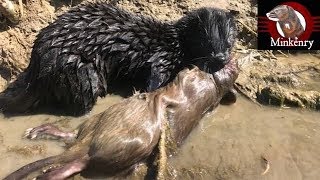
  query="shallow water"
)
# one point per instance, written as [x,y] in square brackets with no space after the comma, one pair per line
[235,141]
[232,142]
[16,151]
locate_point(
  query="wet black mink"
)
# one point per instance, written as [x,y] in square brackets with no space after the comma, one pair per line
[76,58]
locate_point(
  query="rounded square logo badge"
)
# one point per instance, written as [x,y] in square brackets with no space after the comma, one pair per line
[289,25]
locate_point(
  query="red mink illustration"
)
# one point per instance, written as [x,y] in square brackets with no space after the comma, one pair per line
[288,20]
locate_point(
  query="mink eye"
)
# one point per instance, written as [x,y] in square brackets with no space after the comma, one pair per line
[229,41]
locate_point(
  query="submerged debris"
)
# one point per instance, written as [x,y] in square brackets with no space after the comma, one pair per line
[28,150]
[195,172]
[1,139]
[267,166]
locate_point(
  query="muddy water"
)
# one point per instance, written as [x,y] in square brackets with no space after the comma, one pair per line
[233,142]
[238,141]
[16,151]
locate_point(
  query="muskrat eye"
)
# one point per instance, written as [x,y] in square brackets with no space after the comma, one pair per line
[171,106]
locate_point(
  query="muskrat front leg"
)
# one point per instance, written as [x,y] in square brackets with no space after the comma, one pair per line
[51,130]
[67,170]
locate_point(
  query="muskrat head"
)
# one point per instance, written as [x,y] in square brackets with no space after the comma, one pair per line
[207,34]
[227,75]
[279,13]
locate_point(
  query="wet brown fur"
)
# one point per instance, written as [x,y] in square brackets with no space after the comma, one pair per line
[128,132]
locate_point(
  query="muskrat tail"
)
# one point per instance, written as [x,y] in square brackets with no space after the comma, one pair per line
[42,163]
[29,168]
[17,98]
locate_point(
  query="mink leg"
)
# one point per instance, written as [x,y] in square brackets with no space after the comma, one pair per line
[49,129]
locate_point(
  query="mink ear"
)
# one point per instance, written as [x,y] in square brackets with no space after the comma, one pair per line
[233,13]
[288,7]
[113,2]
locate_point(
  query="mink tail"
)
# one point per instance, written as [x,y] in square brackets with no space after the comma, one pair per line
[17,98]
[24,171]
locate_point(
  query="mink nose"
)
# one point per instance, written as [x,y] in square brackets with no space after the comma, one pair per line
[268,14]
[221,57]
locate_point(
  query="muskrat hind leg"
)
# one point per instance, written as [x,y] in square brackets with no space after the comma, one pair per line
[67,170]
[51,130]
[229,98]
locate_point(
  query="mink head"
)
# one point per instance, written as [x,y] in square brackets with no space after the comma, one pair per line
[207,35]
[280,13]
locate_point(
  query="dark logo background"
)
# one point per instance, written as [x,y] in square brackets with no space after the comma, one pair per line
[310,9]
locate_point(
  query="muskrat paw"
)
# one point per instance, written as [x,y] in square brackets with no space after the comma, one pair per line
[28,134]
[49,131]
[41,131]
[33,133]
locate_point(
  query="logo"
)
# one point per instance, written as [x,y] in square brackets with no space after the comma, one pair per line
[289,25]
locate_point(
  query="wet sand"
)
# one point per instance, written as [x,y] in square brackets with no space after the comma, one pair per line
[232,142]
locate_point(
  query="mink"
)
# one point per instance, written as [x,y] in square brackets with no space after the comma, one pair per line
[95,46]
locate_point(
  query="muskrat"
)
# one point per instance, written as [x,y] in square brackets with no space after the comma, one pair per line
[93,46]
[288,19]
[127,132]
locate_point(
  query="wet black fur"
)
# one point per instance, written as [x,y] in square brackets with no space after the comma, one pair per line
[94,46]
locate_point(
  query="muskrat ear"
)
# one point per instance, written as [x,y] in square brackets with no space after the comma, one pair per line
[191,66]
[194,68]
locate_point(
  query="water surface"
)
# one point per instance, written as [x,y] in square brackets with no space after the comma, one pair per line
[232,142]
